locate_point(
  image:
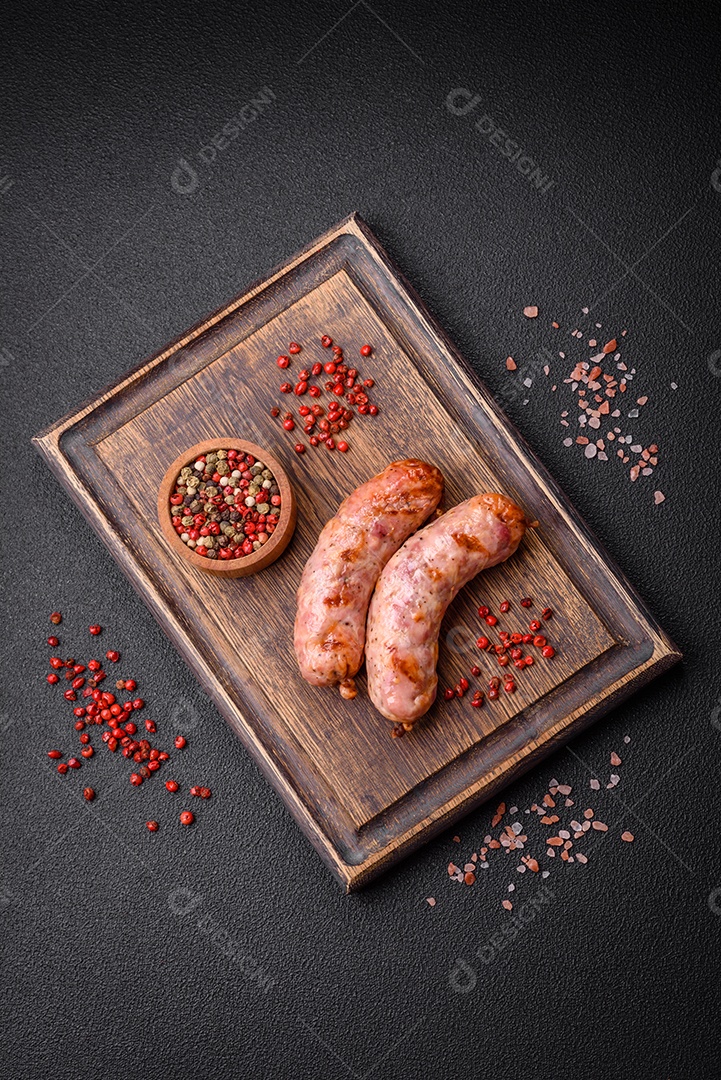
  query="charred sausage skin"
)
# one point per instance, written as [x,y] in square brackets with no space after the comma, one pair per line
[352,549]
[414,591]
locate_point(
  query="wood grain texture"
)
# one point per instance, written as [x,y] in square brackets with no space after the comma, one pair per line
[363,799]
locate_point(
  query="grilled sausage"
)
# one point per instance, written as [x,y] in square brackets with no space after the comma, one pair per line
[414,591]
[352,549]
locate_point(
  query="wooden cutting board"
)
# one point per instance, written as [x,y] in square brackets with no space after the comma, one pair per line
[363,799]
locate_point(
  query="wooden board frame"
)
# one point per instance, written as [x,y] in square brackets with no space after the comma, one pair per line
[358,846]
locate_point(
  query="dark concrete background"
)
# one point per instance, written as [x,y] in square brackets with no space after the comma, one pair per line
[112,965]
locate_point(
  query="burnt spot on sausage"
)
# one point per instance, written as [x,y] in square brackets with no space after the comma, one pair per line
[407,666]
[434,573]
[469,542]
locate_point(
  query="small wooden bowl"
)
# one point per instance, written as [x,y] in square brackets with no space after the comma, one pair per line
[249,564]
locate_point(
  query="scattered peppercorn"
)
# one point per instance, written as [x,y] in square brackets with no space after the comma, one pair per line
[56,618]
[151,826]
[88,794]
[186,817]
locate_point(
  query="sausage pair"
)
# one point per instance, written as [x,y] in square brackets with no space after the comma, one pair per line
[366,546]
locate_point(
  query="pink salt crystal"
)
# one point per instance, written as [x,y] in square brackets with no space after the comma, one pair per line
[658,497]
[531,311]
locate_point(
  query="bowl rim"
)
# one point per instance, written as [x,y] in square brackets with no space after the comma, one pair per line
[249,563]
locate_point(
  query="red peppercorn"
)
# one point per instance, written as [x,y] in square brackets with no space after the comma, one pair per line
[95,629]
[477,702]
[289,424]
[504,607]
[299,448]
[205,793]
[84,737]
[130,684]
[285,388]
[301,388]
[492,694]
[483,611]
[283,361]
[527,639]
[546,613]
[87,751]
[529,661]
[510,687]
[516,654]
[187,818]
[112,743]
[373,410]
[294,347]
[326,341]
[150,726]
[73,763]
[94,665]
[162,756]
[88,794]
[151,826]
[534,626]
[180,742]
[195,790]
[53,641]
[365,350]
[539,641]
[343,447]
[55,754]
[62,768]
[548,652]
[458,690]
[78,683]
[491,620]
[275,411]
[464,683]
[137,702]
[153,765]
[475,670]
[69,695]
[482,642]
[503,661]
[56,618]
[172,785]
[112,655]
[52,678]
[136,779]
[526,602]
[449,693]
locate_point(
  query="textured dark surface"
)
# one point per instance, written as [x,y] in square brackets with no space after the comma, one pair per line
[108,931]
